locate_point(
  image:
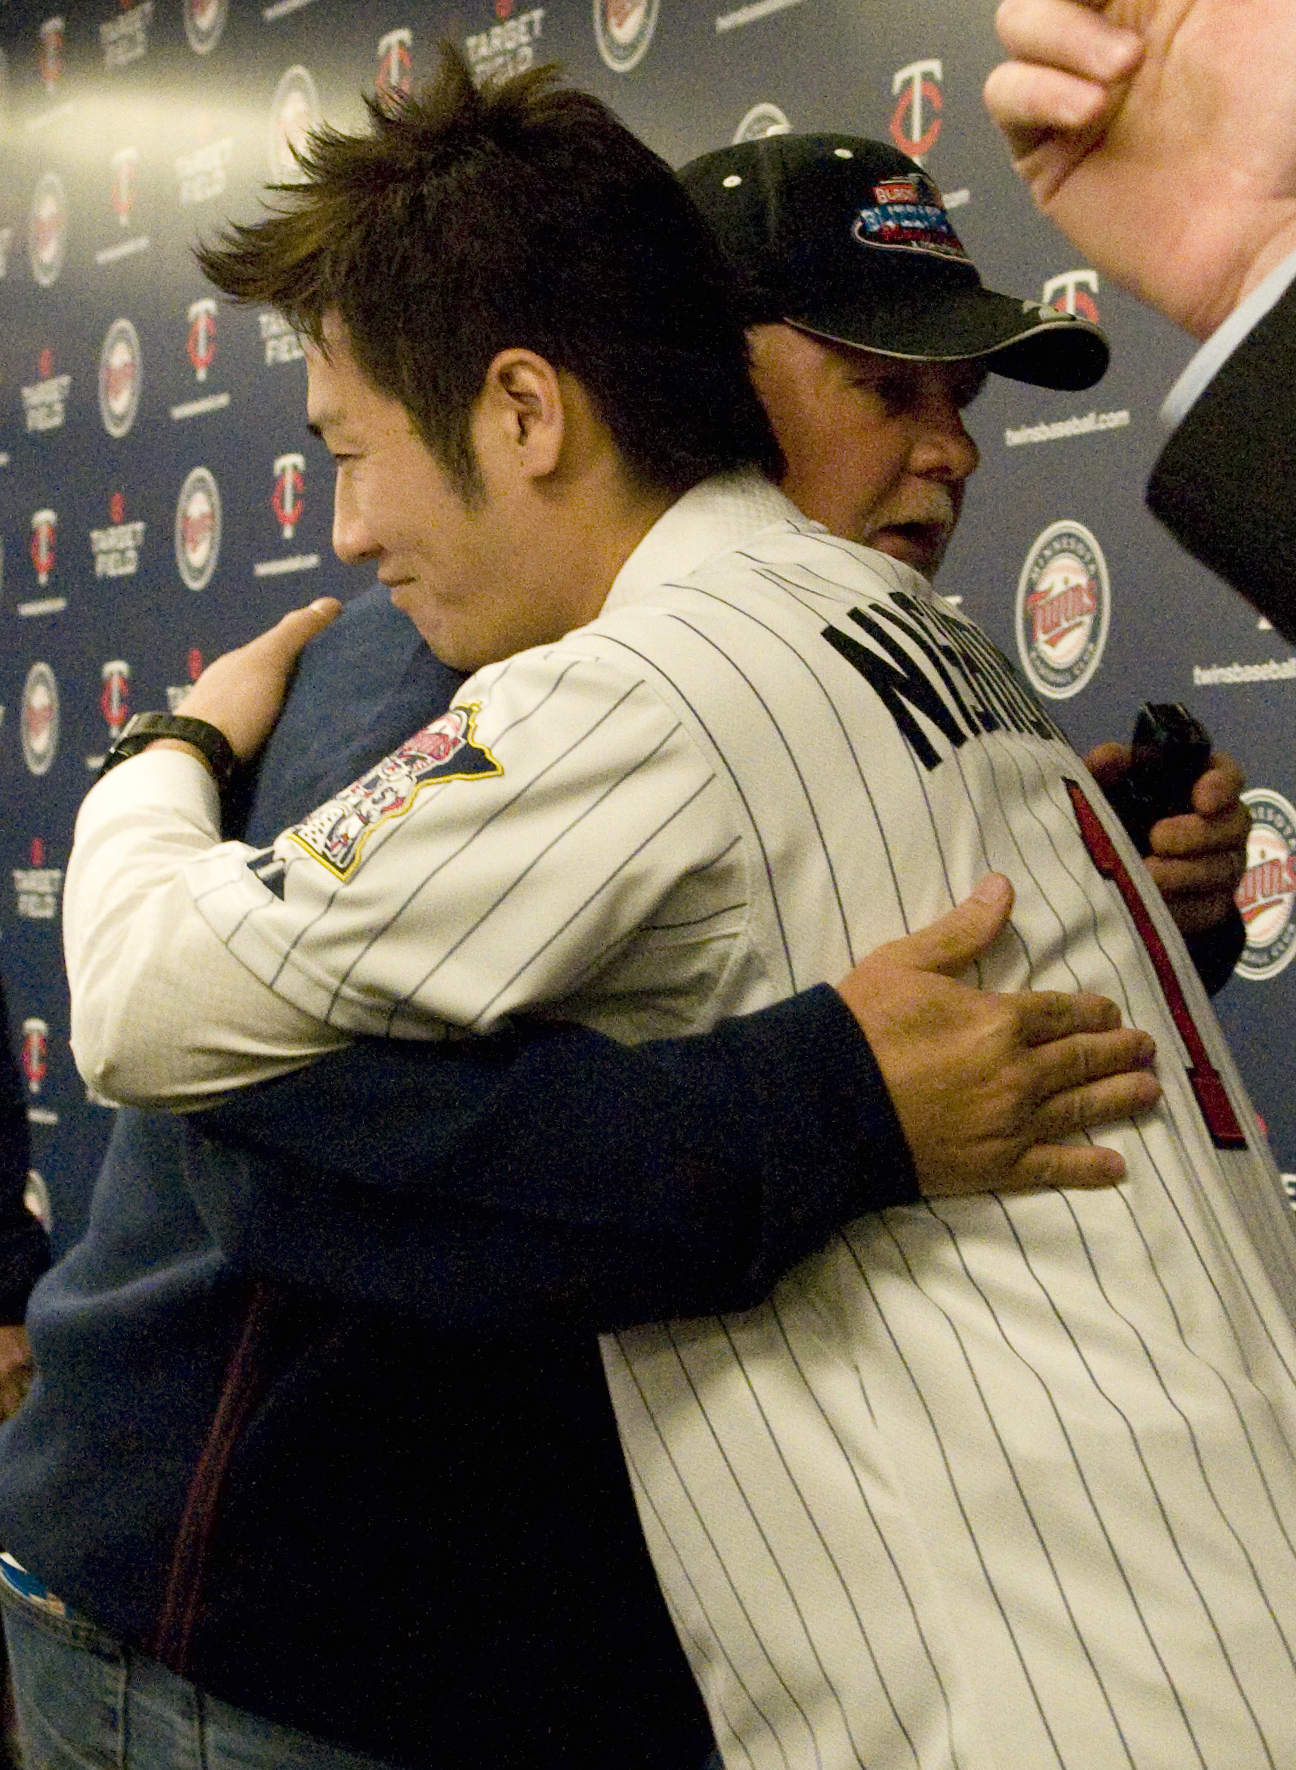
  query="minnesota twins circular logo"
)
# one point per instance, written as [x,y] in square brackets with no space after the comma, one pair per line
[294,113]
[1063,610]
[623,30]
[198,529]
[1267,894]
[204,20]
[47,230]
[39,720]
[119,378]
[760,121]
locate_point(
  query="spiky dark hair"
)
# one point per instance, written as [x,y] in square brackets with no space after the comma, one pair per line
[524,214]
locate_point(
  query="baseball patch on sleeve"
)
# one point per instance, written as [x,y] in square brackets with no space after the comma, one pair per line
[444,751]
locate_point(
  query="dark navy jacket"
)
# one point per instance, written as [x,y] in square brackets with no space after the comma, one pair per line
[320,1420]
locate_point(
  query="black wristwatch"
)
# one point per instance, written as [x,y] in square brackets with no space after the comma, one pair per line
[144,728]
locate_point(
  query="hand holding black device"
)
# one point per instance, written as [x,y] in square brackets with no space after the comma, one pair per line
[1171,751]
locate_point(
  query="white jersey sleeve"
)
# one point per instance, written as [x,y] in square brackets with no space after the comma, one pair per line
[558,826]
[161,1015]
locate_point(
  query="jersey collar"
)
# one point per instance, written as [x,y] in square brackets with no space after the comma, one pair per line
[713,517]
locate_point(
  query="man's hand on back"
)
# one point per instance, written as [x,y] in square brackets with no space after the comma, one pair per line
[985,1085]
[1158,135]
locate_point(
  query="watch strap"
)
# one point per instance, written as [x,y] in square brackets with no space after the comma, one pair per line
[146,728]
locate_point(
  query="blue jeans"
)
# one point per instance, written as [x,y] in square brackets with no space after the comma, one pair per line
[85,1702]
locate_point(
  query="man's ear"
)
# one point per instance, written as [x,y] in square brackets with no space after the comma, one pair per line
[521,409]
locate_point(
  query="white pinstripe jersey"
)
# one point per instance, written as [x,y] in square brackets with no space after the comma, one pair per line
[989,1482]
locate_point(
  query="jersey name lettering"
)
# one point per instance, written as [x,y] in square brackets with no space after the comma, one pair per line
[979,692]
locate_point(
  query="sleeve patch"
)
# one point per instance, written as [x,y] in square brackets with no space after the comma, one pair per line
[443,751]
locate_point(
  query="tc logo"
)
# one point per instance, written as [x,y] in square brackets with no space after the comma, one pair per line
[35,1052]
[918,89]
[51,52]
[1073,292]
[114,700]
[44,524]
[395,66]
[125,176]
[47,229]
[286,500]
[201,343]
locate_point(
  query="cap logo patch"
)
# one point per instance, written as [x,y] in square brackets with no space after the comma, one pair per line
[907,215]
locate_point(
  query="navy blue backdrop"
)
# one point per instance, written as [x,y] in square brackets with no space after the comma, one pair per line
[160,498]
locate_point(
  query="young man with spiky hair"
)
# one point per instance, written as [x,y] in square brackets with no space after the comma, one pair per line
[974,1479]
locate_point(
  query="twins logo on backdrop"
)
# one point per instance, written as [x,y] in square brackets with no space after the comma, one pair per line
[395,77]
[288,501]
[916,120]
[1267,894]
[1073,291]
[176,691]
[38,721]
[623,29]
[44,545]
[121,377]
[204,22]
[124,182]
[761,120]
[1063,609]
[200,344]
[294,113]
[288,498]
[198,529]
[123,193]
[51,53]
[47,229]
[35,1052]
[45,400]
[509,46]
[200,347]
[37,886]
[116,548]
[114,696]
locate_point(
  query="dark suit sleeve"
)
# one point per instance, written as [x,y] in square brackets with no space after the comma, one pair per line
[553,1174]
[24,1246]
[1222,484]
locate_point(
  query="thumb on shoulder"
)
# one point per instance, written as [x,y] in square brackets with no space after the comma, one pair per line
[300,625]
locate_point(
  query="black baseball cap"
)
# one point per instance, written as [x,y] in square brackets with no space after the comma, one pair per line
[848,239]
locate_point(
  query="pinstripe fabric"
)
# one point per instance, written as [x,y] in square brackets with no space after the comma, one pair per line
[989,1482]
